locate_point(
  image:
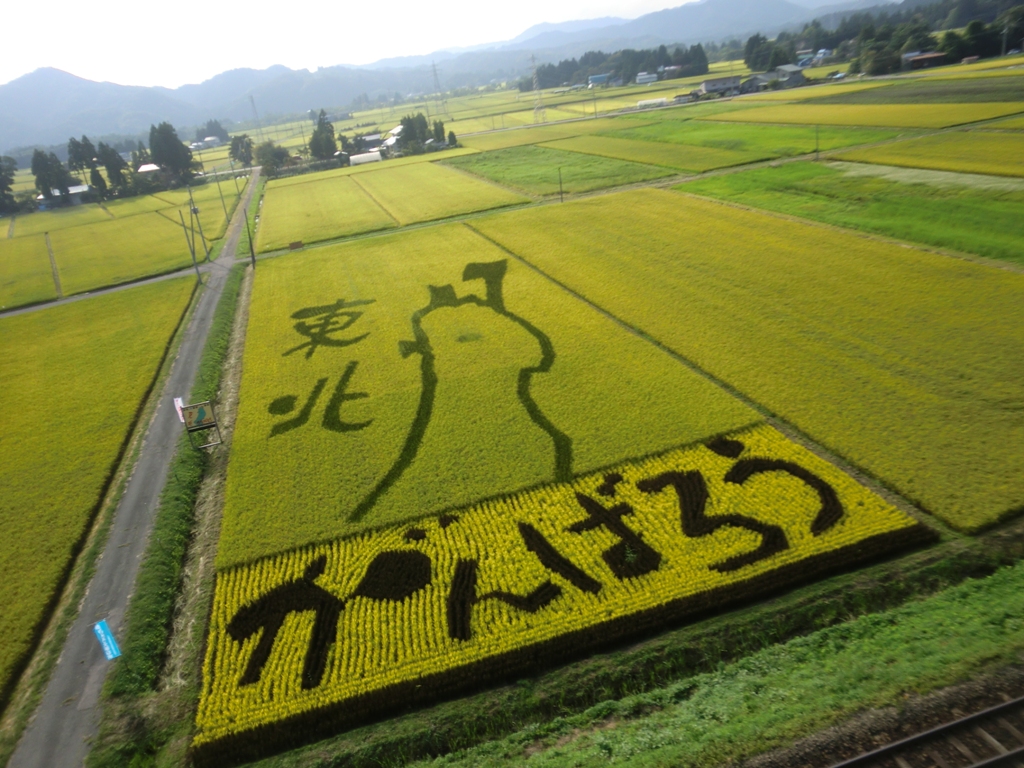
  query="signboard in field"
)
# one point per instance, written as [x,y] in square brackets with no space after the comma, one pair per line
[198,416]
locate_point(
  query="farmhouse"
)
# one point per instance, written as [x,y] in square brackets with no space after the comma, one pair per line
[74,197]
[926,60]
[720,85]
[786,76]
[644,78]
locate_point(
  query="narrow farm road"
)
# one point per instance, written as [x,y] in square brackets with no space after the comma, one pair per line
[68,717]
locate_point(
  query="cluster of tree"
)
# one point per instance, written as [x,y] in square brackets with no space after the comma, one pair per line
[272,157]
[624,64]
[51,175]
[212,128]
[8,167]
[762,54]
[322,144]
[416,132]
[241,150]
[876,41]
[85,159]
[170,153]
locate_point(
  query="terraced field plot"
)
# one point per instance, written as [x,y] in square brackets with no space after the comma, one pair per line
[466,472]
[535,170]
[851,340]
[318,210]
[755,141]
[427,191]
[113,252]
[815,92]
[384,165]
[680,156]
[988,152]
[523,136]
[896,115]
[935,92]
[974,214]
[72,379]
[28,225]
[25,273]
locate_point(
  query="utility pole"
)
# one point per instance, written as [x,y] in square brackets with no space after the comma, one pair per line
[193,210]
[252,252]
[561,197]
[191,247]
[259,127]
[816,129]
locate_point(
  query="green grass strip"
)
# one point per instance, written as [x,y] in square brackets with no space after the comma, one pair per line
[782,693]
[152,607]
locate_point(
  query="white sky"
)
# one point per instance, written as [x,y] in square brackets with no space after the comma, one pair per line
[131,42]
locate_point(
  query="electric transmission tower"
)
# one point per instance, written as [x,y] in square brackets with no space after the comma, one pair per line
[538,106]
[440,101]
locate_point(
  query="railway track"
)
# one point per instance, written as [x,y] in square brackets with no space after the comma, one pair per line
[986,739]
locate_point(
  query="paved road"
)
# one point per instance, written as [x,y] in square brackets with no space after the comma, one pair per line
[70,710]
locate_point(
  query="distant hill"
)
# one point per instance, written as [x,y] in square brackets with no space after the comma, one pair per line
[48,106]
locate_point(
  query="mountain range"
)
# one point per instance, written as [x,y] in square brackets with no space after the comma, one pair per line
[47,106]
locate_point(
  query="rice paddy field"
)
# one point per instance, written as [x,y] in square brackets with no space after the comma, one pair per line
[25,274]
[867,328]
[117,251]
[985,152]
[969,214]
[697,436]
[535,170]
[317,210]
[895,115]
[72,380]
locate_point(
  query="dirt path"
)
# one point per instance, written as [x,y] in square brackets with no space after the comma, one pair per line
[68,717]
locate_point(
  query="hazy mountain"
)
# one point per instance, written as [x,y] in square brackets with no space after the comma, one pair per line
[48,106]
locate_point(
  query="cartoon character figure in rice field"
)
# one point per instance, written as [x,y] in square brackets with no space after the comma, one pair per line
[497,354]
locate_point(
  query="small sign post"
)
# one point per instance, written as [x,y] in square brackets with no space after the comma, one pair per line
[200,417]
[107,641]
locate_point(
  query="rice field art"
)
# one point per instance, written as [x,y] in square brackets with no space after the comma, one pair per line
[504,479]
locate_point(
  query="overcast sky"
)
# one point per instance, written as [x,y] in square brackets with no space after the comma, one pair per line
[132,43]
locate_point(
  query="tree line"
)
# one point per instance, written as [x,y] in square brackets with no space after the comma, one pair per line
[624,65]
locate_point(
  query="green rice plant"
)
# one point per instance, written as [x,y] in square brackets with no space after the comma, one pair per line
[535,170]
[784,692]
[996,153]
[132,206]
[316,211]
[817,92]
[940,209]
[29,224]
[756,142]
[427,191]
[1012,124]
[25,273]
[906,363]
[680,156]
[95,255]
[70,387]
[540,133]
[896,115]
[393,377]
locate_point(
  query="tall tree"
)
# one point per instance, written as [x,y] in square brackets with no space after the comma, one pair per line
[322,144]
[439,131]
[51,175]
[271,157]
[8,166]
[169,152]
[241,149]
[111,159]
